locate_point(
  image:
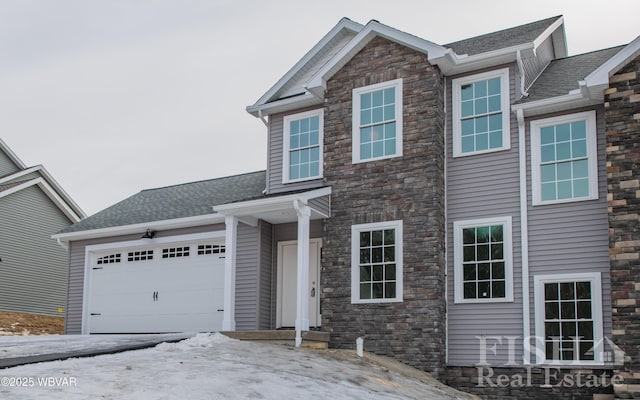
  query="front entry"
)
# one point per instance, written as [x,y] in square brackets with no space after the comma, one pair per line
[287,279]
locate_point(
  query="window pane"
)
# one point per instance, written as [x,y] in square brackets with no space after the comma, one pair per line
[548,153]
[584,309]
[494,86]
[481,106]
[466,92]
[567,310]
[376,254]
[494,103]
[314,154]
[376,238]
[390,130]
[466,108]
[551,311]
[480,89]
[566,291]
[378,149]
[484,289]
[551,291]
[496,233]
[376,98]
[389,236]
[365,100]
[563,133]
[469,290]
[552,329]
[377,291]
[579,130]
[365,151]
[484,271]
[365,117]
[495,122]
[468,144]
[390,290]
[389,95]
[468,127]
[497,270]
[304,156]
[365,135]
[377,115]
[314,138]
[365,239]
[483,252]
[580,188]
[496,251]
[495,140]
[469,272]
[497,289]
[469,253]
[569,330]
[389,112]
[547,135]
[585,330]
[314,123]
[583,290]
[482,141]
[389,147]
[389,254]
[365,291]
[378,273]
[468,235]
[365,255]
[294,172]
[548,191]
[483,234]
[581,169]
[563,151]
[294,142]
[294,127]
[564,170]
[586,351]
[482,124]
[365,274]
[565,190]
[548,173]
[390,272]
[579,148]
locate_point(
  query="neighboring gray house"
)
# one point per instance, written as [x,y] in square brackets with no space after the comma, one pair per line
[33,267]
[447,203]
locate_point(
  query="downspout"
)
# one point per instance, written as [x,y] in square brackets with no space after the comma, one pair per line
[523,92]
[524,235]
[264,121]
[446,232]
[61,243]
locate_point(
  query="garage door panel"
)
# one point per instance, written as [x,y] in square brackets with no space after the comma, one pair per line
[172,294]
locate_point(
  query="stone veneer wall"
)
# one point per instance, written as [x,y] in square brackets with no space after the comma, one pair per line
[622,114]
[410,188]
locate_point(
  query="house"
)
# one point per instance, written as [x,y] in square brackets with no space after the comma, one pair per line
[33,267]
[470,209]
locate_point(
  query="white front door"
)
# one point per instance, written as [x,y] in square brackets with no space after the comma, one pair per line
[287,280]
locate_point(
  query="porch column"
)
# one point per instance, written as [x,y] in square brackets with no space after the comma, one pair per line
[231,234]
[302,304]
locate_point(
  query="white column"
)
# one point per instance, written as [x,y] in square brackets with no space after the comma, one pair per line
[231,235]
[302,304]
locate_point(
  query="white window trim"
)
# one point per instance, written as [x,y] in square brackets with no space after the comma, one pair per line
[458,226]
[456,84]
[355,260]
[596,301]
[592,155]
[286,141]
[355,112]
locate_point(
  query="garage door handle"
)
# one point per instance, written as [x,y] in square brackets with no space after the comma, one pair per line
[155,296]
[220,309]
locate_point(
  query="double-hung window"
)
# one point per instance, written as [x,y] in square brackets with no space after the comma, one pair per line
[569,318]
[483,262]
[376,262]
[302,152]
[481,113]
[564,158]
[377,121]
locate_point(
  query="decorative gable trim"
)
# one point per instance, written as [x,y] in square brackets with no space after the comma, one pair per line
[317,84]
[6,150]
[601,75]
[50,192]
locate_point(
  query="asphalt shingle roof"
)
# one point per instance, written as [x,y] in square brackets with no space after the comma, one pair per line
[178,201]
[502,39]
[562,75]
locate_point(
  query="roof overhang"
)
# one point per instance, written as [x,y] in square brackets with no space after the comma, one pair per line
[590,90]
[276,210]
[140,228]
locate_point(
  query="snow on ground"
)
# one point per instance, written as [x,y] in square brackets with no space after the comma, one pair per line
[213,367]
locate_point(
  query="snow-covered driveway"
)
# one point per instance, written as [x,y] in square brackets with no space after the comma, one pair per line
[214,367]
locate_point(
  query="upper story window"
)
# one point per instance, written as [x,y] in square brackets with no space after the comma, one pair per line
[483,262]
[377,121]
[303,141]
[481,113]
[564,158]
[376,262]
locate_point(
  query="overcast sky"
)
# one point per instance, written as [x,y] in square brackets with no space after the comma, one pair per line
[115,96]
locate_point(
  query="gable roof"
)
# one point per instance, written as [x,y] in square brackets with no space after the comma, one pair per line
[181,201]
[26,177]
[304,84]
[504,38]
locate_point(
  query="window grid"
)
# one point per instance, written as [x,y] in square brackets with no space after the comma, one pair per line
[568,321]
[377,264]
[174,252]
[481,115]
[564,165]
[378,123]
[204,249]
[110,259]
[141,255]
[483,265]
[304,148]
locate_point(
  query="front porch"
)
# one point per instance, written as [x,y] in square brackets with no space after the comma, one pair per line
[287,280]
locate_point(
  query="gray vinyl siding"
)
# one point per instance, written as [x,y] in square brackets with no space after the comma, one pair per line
[572,237]
[266,316]
[6,165]
[287,232]
[535,65]
[483,186]
[275,157]
[247,273]
[34,267]
[73,321]
[321,204]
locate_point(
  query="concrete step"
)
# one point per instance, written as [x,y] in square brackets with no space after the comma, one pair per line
[310,339]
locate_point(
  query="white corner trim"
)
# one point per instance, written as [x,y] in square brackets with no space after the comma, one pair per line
[600,76]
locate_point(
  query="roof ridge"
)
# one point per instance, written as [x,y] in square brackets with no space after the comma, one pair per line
[202,180]
[504,30]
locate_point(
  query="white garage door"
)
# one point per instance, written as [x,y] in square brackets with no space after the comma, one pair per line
[170,288]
